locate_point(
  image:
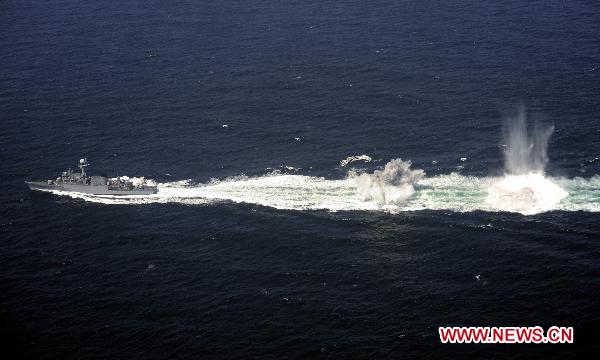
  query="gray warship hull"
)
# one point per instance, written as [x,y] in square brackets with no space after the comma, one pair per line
[88,189]
[74,182]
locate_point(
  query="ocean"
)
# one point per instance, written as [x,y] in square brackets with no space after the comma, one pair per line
[335,179]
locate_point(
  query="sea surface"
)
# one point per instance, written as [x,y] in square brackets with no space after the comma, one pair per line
[283,227]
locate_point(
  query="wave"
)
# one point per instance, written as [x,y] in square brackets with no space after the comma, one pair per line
[351,159]
[394,189]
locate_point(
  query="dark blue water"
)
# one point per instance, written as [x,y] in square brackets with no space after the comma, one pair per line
[145,87]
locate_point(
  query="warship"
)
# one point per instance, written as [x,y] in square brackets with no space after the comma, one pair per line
[80,182]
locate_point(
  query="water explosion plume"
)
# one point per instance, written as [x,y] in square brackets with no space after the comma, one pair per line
[524,188]
[392,185]
[525,154]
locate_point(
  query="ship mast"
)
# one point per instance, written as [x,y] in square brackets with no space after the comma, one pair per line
[82,165]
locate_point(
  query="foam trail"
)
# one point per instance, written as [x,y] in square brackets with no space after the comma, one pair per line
[395,188]
[453,192]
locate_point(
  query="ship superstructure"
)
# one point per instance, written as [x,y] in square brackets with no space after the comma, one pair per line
[80,182]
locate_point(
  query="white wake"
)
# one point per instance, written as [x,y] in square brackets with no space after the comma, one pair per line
[453,192]
[397,187]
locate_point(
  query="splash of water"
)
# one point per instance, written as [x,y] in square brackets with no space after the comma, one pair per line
[392,185]
[351,159]
[525,153]
[527,194]
[524,187]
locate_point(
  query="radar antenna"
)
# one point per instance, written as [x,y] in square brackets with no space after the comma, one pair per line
[83,163]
